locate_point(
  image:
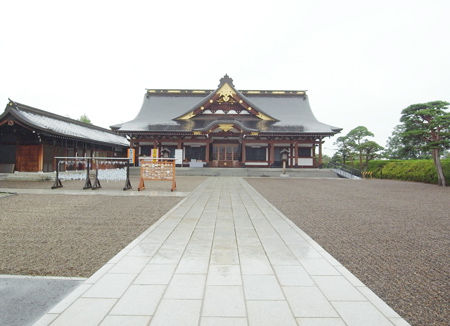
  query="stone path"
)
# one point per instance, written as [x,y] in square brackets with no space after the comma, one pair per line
[223,256]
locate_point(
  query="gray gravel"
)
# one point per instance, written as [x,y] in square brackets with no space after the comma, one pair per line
[74,235]
[183,184]
[393,235]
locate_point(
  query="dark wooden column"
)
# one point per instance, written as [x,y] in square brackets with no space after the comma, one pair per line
[314,154]
[296,154]
[291,155]
[244,158]
[320,151]
[271,153]
[207,152]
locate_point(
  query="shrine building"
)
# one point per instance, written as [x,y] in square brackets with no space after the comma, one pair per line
[30,139]
[227,127]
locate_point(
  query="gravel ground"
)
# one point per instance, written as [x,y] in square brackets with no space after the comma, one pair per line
[183,184]
[74,235]
[393,235]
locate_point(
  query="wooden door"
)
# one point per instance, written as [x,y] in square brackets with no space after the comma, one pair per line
[225,155]
[29,158]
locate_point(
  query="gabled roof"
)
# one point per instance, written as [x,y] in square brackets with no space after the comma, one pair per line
[289,111]
[225,92]
[54,124]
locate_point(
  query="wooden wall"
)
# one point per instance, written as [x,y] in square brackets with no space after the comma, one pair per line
[29,158]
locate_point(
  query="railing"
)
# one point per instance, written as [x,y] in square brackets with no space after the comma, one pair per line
[346,171]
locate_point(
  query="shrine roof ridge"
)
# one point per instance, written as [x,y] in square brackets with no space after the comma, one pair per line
[200,92]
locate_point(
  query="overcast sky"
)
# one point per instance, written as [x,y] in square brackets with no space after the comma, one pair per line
[362,62]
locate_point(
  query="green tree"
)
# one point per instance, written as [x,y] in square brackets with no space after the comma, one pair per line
[399,147]
[325,160]
[429,123]
[343,148]
[356,137]
[84,118]
[370,150]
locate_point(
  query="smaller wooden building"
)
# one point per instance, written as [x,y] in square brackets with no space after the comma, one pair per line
[30,138]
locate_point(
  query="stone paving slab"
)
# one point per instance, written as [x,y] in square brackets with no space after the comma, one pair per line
[223,256]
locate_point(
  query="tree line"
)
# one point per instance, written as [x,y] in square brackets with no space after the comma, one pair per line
[423,133]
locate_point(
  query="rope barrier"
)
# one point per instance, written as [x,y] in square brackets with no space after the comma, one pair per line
[89,163]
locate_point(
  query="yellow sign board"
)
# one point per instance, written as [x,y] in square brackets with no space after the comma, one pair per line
[157,169]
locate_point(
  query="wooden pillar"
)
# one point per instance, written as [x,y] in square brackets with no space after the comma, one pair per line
[244,158]
[291,155]
[179,145]
[320,151]
[271,153]
[54,153]
[41,158]
[296,154]
[207,152]
[314,155]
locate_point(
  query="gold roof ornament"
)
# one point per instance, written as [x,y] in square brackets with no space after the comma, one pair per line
[226,92]
[226,95]
[187,116]
[263,116]
[226,126]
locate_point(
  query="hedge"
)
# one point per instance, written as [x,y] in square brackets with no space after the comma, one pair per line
[409,170]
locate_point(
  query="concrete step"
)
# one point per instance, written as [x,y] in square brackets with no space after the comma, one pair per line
[250,172]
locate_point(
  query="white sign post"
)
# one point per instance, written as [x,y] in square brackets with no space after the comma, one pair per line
[179,157]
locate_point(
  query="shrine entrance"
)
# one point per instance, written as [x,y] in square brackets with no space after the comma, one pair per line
[226,155]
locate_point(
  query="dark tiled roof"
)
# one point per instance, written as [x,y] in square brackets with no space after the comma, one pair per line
[290,109]
[57,125]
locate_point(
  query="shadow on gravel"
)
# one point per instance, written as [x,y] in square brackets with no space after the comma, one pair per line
[23,300]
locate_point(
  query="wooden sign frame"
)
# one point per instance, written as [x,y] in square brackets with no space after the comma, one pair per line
[157,169]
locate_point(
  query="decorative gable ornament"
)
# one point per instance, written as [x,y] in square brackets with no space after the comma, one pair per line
[225,94]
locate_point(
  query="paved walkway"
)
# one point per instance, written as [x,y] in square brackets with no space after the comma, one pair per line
[223,256]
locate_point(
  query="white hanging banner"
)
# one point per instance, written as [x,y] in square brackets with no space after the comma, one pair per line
[179,156]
